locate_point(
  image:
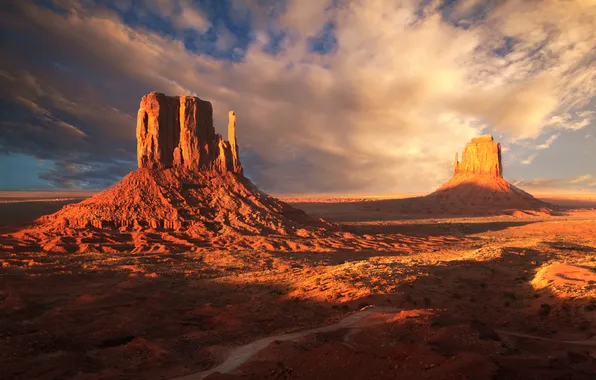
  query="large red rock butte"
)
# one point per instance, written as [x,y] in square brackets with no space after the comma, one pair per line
[478,185]
[481,157]
[189,185]
[178,132]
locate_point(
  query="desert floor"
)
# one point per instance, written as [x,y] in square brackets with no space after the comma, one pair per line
[460,298]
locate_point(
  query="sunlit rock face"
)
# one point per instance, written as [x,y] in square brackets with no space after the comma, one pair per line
[480,157]
[232,141]
[478,183]
[178,132]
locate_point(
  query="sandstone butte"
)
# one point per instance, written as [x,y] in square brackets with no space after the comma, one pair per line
[178,132]
[189,180]
[478,182]
[480,157]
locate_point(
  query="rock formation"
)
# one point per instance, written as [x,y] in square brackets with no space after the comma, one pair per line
[477,185]
[233,144]
[178,132]
[480,157]
[189,185]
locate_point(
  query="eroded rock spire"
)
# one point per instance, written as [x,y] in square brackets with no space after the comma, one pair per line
[233,144]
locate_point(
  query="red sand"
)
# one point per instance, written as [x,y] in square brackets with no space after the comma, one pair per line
[471,298]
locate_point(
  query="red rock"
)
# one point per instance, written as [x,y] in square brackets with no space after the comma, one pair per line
[477,185]
[233,144]
[178,132]
[158,130]
[480,157]
[189,182]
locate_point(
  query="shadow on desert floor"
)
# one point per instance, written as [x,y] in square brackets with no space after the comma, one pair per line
[567,246]
[465,319]
[461,290]
[440,207]
[154,316]
[93,316]
[433,228]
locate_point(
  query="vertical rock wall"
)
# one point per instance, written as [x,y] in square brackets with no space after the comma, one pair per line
[233,144]
[480,157]
[178,132]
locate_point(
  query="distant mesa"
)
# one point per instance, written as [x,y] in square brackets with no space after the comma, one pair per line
[478,183]
[189,181]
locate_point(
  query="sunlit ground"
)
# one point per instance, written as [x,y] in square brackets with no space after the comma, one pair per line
[482,298]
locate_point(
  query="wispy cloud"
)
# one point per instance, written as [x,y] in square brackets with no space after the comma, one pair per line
[529,159]
[548,142]
[582,178]
[576,183]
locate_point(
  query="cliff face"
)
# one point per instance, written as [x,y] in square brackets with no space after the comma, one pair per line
[480,157]
[178,132]
[232,139]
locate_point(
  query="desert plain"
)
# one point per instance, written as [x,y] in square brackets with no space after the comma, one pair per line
[233,189]
[184,269]
[486,297]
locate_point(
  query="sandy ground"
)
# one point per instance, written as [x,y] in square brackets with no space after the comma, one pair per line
[458,298]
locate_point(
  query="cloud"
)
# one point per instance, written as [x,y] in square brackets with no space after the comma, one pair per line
[582,178]
[539,183]
[545,184]
[529,159]
[190,17]
[541,71]
[74,175]
[548,142]
[518,109]
[181,14]
[385,109]
[226,40]
[571,122]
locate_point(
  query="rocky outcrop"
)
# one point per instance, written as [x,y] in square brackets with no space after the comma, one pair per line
[480,157]
[478,187]
[232,139]
[178,132]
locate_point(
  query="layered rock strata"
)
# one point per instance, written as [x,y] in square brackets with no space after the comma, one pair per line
[178,132]
[480,157]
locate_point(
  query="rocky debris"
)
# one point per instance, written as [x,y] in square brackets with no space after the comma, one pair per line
[202,202]
[178,132]
[480,157]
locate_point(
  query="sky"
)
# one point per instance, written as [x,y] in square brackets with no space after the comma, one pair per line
[331,96]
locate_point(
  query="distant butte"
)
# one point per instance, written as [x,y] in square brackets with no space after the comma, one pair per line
[481,157]
[477,183]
